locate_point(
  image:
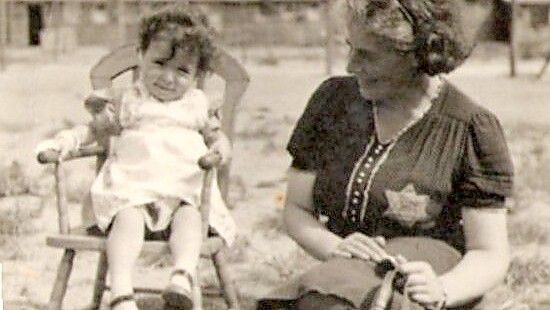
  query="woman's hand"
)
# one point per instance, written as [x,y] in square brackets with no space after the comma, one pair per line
[358,245]
[423,285]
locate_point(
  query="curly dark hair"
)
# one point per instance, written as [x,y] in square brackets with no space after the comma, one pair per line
[441,45]
[185,26]
[433,29]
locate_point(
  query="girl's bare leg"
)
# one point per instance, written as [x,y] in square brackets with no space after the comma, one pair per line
[124,245]
[185,243]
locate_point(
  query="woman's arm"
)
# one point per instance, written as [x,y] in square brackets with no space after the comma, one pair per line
[483,266]
[487,256]
[310,234]
[299,221]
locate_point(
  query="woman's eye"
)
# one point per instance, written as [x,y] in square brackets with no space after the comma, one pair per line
[183,70]
[159,62]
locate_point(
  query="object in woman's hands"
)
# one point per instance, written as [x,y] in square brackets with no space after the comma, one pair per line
[358,281]
[392,293]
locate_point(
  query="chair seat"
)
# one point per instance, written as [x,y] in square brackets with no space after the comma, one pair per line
[78,239]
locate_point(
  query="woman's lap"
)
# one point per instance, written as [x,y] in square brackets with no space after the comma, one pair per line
[315,300]
[352,283]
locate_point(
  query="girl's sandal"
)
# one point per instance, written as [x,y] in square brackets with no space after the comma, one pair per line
[120,299]
[177,297]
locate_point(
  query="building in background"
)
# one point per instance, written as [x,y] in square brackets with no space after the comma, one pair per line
[529,27]
[71,23]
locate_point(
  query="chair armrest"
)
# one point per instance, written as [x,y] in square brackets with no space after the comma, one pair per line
[52,156]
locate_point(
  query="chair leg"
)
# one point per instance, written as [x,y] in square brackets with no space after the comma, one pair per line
[197,294]
[225,277]
[100,277]
[544,66]
[60,285]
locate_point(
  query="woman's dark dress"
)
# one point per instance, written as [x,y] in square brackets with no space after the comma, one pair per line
[455,156]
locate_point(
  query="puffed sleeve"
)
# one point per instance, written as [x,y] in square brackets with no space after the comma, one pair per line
[487,167]
[308,138]
[104,105]
[207,121]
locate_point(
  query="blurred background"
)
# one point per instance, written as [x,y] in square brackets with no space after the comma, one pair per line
[61,26]
[47,49]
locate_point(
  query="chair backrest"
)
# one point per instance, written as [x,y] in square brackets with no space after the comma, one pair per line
[126,58]
[122,60]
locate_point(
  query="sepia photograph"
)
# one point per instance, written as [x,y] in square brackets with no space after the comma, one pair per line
[275,154]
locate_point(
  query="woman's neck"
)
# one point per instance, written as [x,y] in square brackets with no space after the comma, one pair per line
[392,118]
[408,97]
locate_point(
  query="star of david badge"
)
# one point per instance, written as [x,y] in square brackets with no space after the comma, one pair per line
[408,207]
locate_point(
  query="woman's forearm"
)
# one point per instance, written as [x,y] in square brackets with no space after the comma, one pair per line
[309,233]
[477,272]
[487,255]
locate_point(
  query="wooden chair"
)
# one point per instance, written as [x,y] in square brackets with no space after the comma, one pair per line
[544,66]
[75,239]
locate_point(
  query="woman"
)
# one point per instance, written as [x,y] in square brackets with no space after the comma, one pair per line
[395,150]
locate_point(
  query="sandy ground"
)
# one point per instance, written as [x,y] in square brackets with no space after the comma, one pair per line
[39,96]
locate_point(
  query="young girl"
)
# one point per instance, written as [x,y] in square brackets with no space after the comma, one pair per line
[151,182]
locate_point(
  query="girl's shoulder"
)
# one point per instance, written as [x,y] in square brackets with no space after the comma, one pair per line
[193,100]
[197,96]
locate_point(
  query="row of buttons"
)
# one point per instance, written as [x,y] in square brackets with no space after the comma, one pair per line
[359,189]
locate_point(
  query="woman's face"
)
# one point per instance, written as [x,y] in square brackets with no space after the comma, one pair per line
[168,74]
[381,71]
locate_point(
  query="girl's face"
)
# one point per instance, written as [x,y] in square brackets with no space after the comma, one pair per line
[168,74]
[381,70]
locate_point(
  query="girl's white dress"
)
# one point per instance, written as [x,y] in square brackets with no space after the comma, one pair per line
[153,163]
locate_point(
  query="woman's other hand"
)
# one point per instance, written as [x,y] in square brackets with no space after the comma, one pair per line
[358,245]
[423,285]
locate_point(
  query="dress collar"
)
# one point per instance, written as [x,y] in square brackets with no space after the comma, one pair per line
[432,93]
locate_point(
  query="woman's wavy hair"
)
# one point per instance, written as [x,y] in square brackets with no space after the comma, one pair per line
[185,26]
[438,39]
[441,45]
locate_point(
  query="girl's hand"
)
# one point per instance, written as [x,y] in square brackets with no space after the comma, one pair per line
[64,143]
[65,146]
[46,145]
[222,146]
[96,102]
[358,245]
[423,285]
